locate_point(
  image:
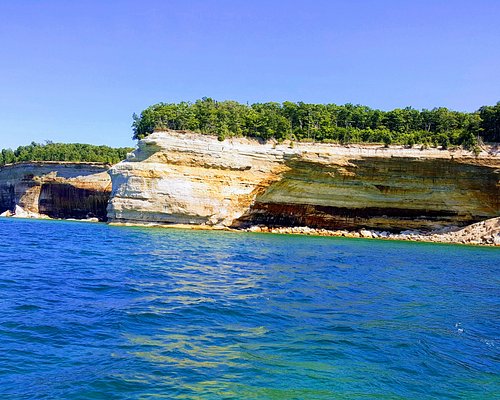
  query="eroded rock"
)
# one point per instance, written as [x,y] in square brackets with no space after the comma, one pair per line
[186,178]
[55,189]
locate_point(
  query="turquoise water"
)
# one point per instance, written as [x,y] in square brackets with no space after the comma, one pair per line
[89,311]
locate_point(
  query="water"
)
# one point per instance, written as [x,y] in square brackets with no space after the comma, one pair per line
[89,311]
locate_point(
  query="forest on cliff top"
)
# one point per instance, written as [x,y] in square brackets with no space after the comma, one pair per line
[324,122]
[73,152]
[328,123]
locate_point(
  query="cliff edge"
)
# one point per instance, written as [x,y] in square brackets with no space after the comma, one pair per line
[55,189]
[187,178]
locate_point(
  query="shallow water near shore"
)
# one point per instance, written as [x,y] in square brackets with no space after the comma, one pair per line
[96,311]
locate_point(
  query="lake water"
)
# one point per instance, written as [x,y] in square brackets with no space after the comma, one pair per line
[90,311]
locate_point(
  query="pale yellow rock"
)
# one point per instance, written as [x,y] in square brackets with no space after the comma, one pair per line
[366,233]
[190,178]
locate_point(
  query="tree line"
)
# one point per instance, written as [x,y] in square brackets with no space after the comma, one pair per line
[73,152]
[323,122]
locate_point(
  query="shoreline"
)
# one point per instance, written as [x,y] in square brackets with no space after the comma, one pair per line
[444,236]
[485,233]
[192,178]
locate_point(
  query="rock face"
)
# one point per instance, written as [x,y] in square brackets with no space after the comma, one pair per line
[55,189]
[187,178]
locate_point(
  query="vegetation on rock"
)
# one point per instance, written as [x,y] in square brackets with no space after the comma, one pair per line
[73,152]
[323,122]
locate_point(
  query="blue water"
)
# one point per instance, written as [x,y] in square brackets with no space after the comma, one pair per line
[89,311]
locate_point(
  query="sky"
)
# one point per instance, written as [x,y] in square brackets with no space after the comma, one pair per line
[76,71]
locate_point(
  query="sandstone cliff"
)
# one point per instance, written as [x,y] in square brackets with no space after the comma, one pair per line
[186,178]
[55,189]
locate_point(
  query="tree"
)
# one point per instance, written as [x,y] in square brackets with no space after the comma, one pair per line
[319,122]
[490,122]
[75,152]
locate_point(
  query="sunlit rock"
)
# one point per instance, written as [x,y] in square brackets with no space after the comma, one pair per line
[187,178]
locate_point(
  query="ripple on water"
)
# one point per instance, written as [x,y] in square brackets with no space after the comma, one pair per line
[93,311]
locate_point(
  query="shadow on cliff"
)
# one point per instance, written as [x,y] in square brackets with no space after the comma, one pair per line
[392,194]
[62,200]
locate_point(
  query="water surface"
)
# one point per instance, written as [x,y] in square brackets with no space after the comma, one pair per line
[89,311]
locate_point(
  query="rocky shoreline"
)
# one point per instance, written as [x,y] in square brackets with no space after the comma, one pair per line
[19,212]
[484,233]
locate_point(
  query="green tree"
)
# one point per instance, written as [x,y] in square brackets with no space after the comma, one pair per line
[490,122]
[74,152]
[318,122]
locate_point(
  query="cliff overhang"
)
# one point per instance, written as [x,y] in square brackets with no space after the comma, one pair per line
[188,178]
[55,189]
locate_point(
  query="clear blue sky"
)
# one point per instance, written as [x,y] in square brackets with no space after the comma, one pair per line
[75,71]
